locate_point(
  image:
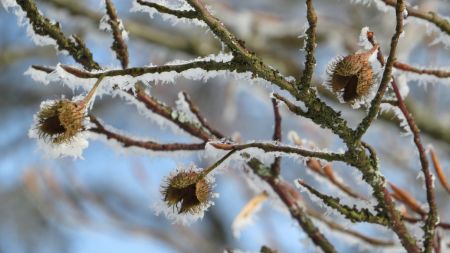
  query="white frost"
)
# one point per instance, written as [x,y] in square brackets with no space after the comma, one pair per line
[105,26]
[384,107]
[402,84]
[176,5]
[363,41]
[184,112]
[22,20]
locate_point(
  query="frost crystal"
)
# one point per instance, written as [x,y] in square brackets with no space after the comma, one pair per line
[379,4]
[424,79]
[110,84]
[384,107]
[22,20]
[441,37]
[402,84]
[105,26]
[176,5]
[363,41]
[184,113]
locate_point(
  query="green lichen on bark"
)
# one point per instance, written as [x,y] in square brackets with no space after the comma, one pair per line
[44,27]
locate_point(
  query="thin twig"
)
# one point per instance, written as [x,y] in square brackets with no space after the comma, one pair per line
[310,62]
[336,226]
[290,198]
[351,213]
[44,27]
[166,112]
[149,145]
[276,147]
[429,16]
[139,71]
[163,9]
[327,173]
[194,109]
[275,166]
[119,46]
[292,107]
[408,241]
[387,74]
[422,71]
[430,224]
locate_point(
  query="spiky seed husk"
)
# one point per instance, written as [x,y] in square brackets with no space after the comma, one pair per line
[365,80]
[354,75]
[60,121]
[187,191]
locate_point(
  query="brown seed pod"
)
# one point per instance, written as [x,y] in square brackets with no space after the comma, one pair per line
[352,75]
[60,122]
[187,191]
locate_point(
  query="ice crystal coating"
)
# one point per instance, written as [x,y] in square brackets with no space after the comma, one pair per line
[171,4]
[363,41]
[106,26]
[22,20]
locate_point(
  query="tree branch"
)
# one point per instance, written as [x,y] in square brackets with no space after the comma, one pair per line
[387,74]
[432,219]
[352,214]
[310,62]
[164,9]
[150,145]
[429,16]
[119,46]
[275,167]
[194,109]
[284,191]
[271,147]
[134,72]
[44,27]
[421,71]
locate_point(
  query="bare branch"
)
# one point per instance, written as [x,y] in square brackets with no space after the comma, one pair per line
[194,109]
[336,226]
[119,46]
[44,27]
[150,145]
[432,218]
[276,136]
[421,71]
[166,112]
[387,74]
[290,197]
[164,9]
[134,72]
[310,62]
[352,214]
[275,147]
[429,16]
